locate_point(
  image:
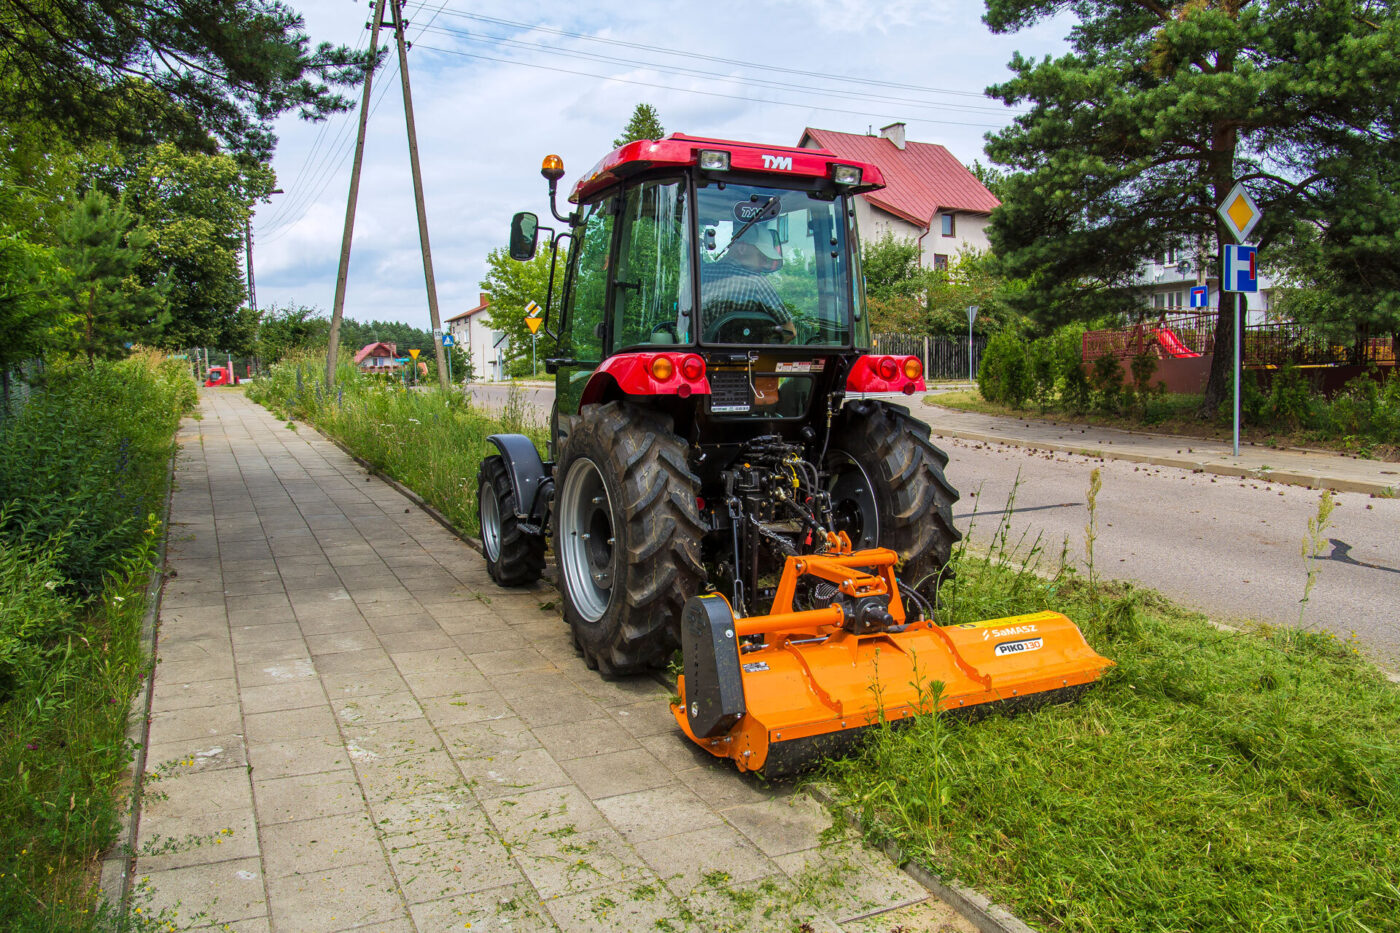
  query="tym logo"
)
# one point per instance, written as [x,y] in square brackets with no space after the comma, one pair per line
[779,162]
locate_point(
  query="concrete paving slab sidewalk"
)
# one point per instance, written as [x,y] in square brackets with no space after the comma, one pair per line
[1313,468]
[354,729]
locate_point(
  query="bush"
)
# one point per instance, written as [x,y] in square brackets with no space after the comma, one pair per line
[86,461]
[34,613]
[1005,374]
[1044,371]
[1107,382]
[1069,366]
[1290,399]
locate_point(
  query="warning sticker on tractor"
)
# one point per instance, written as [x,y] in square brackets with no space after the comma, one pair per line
[728,409]
[799,366]
[1020,647]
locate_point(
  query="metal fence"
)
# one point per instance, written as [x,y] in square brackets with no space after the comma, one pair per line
[943,357]
[1269,344]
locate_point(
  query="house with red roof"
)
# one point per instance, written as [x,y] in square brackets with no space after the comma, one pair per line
[929,196]
[378,357]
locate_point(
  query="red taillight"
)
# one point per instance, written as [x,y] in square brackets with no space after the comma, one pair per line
[887,368]
[662,368]
[693,368]
[913,368]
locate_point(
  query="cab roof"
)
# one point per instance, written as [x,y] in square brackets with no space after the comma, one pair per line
[680,150]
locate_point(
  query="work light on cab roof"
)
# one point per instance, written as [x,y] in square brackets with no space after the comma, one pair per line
[727,471]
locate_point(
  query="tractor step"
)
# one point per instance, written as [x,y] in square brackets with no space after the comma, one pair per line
[812,685]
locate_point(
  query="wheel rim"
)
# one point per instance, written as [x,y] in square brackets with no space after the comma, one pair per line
[586,539]
[490,522]
[853,505]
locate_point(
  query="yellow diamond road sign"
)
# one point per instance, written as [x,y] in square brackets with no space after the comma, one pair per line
[532,309]
[1239,212]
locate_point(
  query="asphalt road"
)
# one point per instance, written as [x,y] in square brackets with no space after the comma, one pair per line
[1228,547]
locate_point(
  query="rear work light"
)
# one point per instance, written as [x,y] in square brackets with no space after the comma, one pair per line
[714,160]
[846,174]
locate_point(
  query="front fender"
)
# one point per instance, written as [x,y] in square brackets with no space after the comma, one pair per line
[526,470]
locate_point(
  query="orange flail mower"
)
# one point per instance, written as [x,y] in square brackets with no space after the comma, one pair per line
[779,691]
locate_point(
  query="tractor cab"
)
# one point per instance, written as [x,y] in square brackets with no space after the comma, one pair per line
[221,376]
[720,280]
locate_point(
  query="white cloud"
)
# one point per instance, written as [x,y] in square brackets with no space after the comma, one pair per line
[484,126]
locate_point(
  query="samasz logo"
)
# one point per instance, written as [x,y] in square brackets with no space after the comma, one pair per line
[782,163]
[1019,647]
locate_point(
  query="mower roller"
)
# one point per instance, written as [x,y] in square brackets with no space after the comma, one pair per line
[727,472]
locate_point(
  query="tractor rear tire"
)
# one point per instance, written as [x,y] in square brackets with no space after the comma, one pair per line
[513,557]
[884,467]
[627,535]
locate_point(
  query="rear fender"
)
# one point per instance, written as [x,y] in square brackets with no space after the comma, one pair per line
[633,374]
[528,476]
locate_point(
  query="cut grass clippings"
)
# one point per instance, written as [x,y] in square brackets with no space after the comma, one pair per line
[1213,781]
[431,441]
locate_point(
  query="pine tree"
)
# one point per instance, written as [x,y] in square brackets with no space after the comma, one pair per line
[644,124]
[101,250]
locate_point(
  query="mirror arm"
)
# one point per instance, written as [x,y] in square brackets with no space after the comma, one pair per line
[553,261]
[569,218]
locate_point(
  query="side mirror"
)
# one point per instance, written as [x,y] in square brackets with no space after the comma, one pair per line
[524,232]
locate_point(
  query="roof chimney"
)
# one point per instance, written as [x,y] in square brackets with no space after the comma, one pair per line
[485,299]
[894,133]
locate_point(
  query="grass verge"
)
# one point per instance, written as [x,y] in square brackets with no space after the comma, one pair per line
[1174,414]
[1213,781]
[83,474]
[428,440]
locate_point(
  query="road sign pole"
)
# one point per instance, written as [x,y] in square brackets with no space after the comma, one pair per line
[971,316]
[1239,372]
[534,371]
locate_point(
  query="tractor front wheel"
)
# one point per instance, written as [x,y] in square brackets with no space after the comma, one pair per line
[513,556]
[888,490]
[627,537]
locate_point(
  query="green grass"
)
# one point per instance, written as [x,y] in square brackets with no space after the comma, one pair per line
[430,441]
[79,531]
[1214,780]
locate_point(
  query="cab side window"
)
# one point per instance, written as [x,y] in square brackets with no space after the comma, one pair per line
[583,337]
[652,301]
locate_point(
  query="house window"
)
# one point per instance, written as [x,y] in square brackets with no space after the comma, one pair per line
[949,225]
[940,261]
[1158,300]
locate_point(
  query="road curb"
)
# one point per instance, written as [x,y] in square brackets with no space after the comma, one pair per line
[1283,477]
[977,908]
[119,863]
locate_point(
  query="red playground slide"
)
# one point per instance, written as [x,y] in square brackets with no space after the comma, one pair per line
[1172,345]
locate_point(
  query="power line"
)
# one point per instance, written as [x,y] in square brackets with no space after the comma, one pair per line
[681,90]
[762,83]
[342,149]
[698,55]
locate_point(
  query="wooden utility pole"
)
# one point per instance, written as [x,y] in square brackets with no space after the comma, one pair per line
[399,25]
[338,309]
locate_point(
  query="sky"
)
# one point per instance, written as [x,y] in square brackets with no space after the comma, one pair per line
[499,85]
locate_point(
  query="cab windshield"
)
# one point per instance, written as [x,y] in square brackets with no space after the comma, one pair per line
[773,266]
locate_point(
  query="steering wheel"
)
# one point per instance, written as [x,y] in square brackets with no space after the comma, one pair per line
[749,323]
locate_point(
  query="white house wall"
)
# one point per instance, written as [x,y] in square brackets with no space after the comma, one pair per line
[970,232]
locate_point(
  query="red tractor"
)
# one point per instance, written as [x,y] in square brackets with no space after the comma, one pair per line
[711,483]
[221,376]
